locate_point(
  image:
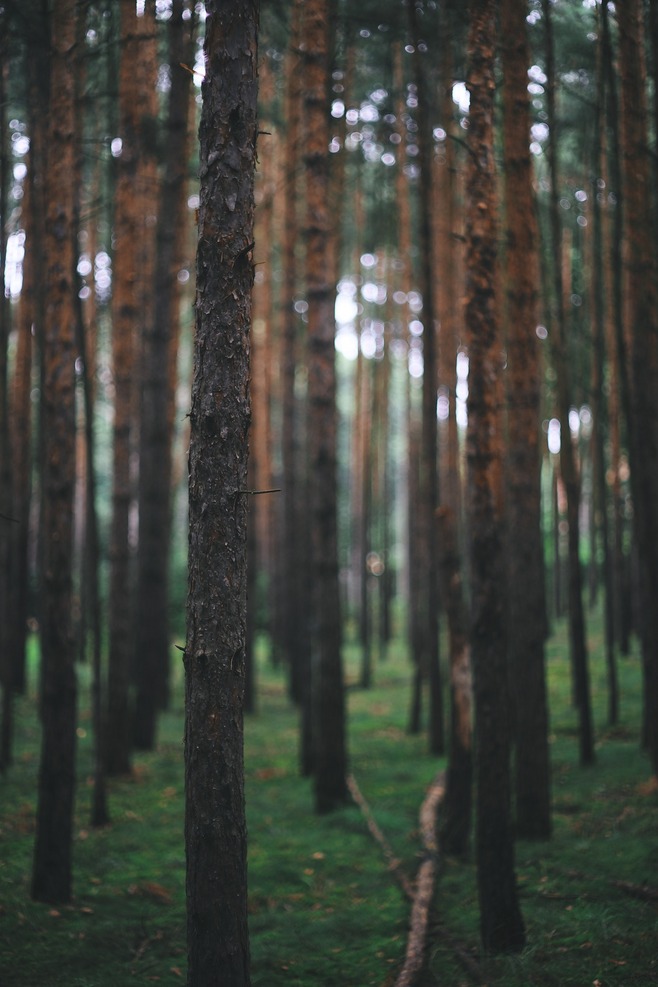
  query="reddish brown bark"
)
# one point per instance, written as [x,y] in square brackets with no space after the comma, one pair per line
[51,878]
[125,315]
[501,924]
[524,546]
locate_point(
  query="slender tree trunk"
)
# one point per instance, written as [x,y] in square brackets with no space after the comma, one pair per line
[416,626]
[501,923]
[618,359]
[364,432]
[429,466]
[447,210]
[524,544]
[457,806]
[155,476]
[51,877]
[568,466]
[601,297]
[292,615]
[414,612]
[611,281]
[328,701]
[642,333]
[262,359]
[125,315]
[90,596]
[7,520]
[21,453]
[215,828]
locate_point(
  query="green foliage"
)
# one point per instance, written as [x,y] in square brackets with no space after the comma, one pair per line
[323,907]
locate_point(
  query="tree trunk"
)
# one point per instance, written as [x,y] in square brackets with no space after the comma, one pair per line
[363,434]
[602,296]
[215,828]
[429,493]
[619,386]
[414,614]
[261,513]
[90,596]
[51,877]
[642,333]
[448,274]
[125,315]
[568,466]
[292,618]
[457,805]
[160,334]
[524,544]
[7,519]
[501,923]
[327,688]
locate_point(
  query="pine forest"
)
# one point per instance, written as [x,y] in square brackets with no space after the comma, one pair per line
[329,493]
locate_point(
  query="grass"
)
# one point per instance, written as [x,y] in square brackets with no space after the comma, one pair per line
[323,908]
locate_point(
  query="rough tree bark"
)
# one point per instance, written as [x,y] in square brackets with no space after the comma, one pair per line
[524,546]
[215,827]
[51,877]
[501,924]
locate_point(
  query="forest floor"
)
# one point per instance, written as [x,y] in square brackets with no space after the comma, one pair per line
[325,909]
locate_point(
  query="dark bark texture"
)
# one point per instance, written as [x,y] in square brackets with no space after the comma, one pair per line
[215,827]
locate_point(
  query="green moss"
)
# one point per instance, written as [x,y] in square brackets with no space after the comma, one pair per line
[323,907]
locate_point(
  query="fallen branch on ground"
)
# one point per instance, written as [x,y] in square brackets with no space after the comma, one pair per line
[421,896]
[387,849]
[422,901]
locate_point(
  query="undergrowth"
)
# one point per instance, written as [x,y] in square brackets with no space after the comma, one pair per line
[324,909]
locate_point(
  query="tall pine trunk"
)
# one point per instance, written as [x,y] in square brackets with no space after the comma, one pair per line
[160,337]
[327,687]
[51,877]
[7,520]
[642,336]
[501,924]
[524,546]
[125,314]
[215,827]
[429,493]
[568,465]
